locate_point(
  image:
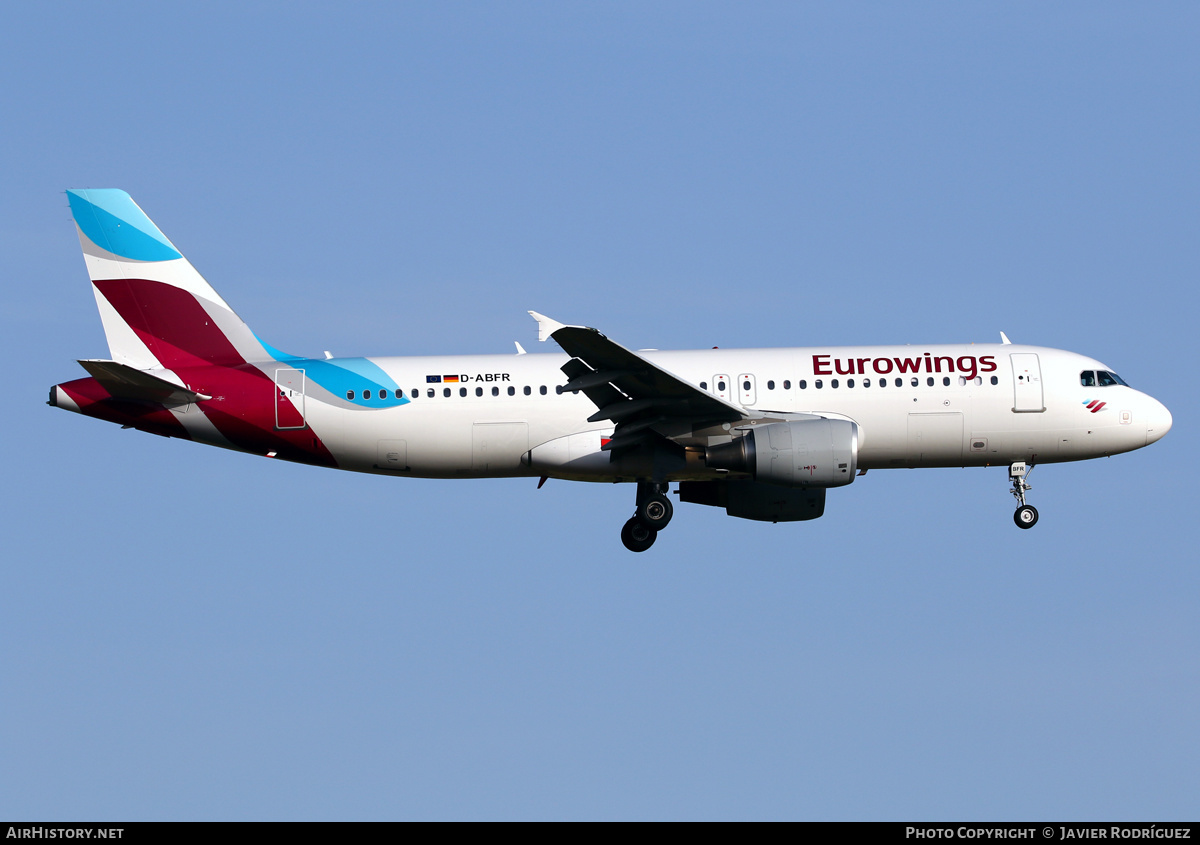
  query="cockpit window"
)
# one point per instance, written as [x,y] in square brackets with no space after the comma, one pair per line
[1087,379]
[1107,379]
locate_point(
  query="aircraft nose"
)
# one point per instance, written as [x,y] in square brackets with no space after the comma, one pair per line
[1158,421]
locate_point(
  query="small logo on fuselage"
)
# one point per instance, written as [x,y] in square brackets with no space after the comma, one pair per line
[464,377]
[1094,405]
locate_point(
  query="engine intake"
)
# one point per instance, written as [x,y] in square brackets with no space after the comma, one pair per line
[801,453]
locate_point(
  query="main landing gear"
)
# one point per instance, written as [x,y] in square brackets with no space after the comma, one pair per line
[652,514]
[1026,516]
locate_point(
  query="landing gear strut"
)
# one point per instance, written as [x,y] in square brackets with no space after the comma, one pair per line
[652,514]
[1026,516]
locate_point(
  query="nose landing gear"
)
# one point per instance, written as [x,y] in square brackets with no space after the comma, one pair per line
[1026,516]
[652,514]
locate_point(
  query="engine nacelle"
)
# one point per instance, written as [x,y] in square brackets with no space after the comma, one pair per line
[800,453]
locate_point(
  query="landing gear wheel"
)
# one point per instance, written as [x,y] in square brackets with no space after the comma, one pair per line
[636,536]
[1026,515]
[655,512]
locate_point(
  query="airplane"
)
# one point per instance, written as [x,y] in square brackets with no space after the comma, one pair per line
[761,433]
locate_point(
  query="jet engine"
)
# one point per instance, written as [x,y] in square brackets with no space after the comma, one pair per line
[799,453]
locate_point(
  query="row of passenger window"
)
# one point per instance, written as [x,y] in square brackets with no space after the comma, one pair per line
[446,391]
[721,387]
[834,383]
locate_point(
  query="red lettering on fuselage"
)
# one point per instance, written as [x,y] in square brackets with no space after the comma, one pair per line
[968,365]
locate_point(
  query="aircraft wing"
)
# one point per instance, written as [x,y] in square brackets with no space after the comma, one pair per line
[125,382]
[629,390]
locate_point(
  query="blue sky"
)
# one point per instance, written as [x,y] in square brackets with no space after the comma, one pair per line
[191,634]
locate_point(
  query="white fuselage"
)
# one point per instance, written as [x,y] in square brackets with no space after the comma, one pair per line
[945,405]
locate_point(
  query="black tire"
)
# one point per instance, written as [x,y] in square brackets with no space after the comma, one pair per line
[656,512]
[636,536]
[1026,516]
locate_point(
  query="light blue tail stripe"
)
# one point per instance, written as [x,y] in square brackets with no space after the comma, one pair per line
[112,221]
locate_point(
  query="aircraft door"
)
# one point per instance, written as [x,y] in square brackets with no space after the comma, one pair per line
[722,386]
[289,399]
[746,389]
[1027,383]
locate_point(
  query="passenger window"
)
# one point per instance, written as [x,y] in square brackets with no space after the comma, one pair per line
[704,385]
[803,385]
[818,384]
[350,395]
[479,391]
[416,393]
[787,384]
[849,382]
[1086,379]
[962,381]
[446,391]
[946,381]
[512,391]
[833,383]
[770,385]
[929,381]
[528,390]
[366,394]
[900,382]
[995,380]
[721,386]
[866,382]
[915,381]
[462,391]
[978,380]
[542,390]
[429,393]
[495,391]
[745,385]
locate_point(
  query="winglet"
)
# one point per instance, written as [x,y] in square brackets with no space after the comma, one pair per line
[546,326]
[1004,339]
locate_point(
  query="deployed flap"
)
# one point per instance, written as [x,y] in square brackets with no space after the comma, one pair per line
[125,382]
[643,389]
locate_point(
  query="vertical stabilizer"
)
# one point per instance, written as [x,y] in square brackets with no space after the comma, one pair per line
[158,312]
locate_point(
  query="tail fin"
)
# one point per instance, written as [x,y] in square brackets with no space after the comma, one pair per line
[158,312]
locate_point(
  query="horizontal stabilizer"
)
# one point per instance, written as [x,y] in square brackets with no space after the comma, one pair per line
[125,382]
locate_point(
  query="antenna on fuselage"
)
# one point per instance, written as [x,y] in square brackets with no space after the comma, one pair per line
[1004,339]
